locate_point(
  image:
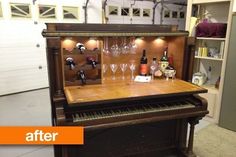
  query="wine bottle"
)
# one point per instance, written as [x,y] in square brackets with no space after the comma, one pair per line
[82,77]
[164,60]
[80,47]
[164,57]
[91,60]
[143,64]
[70,62]
[170,65]
[170,70]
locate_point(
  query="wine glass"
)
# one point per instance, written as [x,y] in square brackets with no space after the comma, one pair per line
[132,45]
[113,67]
[125,47]
[132,68]
[104,70]
[153,68]
[115,50]
[123,68]
[105,47]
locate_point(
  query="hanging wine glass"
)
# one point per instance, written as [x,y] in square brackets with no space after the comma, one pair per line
[113,67]
[105,47]
[125,47]
[132,68]
[133,46]
[104,70]
[123,68]
[115,50]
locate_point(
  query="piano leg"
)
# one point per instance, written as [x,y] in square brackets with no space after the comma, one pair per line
[192,121]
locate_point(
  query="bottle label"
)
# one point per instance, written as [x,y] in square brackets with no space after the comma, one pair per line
[143,69]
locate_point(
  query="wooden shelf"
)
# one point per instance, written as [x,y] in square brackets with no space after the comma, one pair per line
[206,38]
[209,58]
[209,1]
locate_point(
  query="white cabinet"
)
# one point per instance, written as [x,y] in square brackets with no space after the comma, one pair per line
[211,52]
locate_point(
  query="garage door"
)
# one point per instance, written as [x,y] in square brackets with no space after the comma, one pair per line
[22,56]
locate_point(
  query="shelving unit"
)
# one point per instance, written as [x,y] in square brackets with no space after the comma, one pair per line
[206,38]
[215,11]
[209,58]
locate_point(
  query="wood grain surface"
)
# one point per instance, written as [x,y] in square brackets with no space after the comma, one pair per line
[114,90]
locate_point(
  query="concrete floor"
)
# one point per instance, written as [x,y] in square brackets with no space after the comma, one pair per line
[26,109]
[32,109]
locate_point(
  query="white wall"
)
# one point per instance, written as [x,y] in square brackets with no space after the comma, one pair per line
[20,58]
[234,7]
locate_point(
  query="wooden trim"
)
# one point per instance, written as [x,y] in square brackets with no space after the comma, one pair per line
[110,34]
[55,30]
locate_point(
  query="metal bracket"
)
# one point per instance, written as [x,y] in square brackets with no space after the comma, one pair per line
[34,1]
[86,11]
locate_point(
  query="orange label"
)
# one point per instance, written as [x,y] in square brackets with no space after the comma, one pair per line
[143,69]
[41,135]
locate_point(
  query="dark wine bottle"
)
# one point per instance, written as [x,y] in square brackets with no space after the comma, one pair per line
[143,64]
[70,62]
[164,57]
[80,47]
[164,60]
[82,77]
[91,60]
[170,66]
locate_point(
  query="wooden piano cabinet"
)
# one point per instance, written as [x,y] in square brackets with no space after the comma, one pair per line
[122,118]
[152,139]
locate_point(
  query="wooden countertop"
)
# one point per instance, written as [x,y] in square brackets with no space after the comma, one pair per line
[112,91]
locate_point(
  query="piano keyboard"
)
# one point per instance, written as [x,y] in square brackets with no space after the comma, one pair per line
[129,110]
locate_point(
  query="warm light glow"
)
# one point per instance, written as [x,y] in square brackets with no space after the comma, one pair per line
[68,44]
[92,43]
[139,40]
[159,41]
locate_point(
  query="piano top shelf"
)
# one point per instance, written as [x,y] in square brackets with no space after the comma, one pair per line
[117,91]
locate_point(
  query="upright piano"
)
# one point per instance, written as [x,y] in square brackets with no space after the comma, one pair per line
[121,117]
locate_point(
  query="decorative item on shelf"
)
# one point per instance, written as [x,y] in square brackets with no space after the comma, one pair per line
[70,62]
[82,77]
[170,74]
[217,84]
[164,60]
[213,30]
[91,60]
[209,75]
[204,51]
[199,78]
[200,50]
[214,52]
[80,47]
